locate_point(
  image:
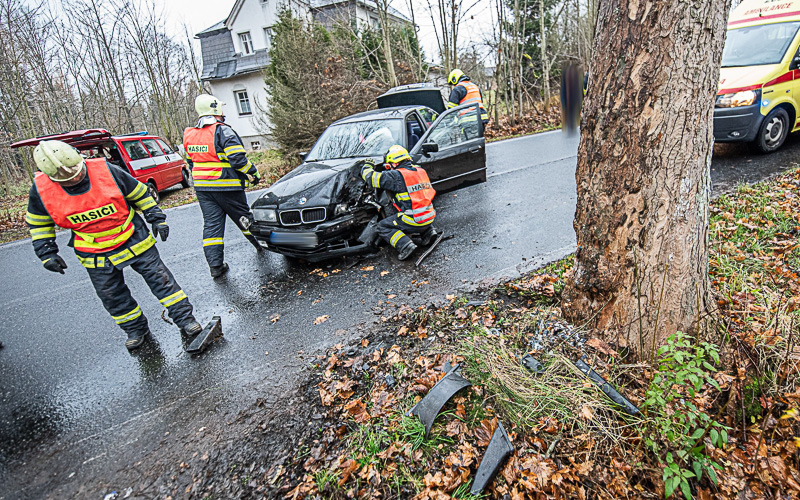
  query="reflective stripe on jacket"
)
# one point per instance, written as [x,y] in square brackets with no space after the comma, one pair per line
[473,95]
[100,218]
[420,193]
[211,170]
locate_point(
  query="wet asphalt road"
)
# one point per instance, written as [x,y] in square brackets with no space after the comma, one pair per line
[75,406]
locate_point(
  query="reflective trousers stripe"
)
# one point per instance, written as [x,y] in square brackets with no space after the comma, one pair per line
[207,242]
[396,237]
[173,299]
[128,317]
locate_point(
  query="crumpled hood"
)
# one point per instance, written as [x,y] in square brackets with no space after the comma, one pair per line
[317,184]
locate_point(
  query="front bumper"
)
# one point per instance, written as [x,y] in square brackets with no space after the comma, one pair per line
[737,124]
[327,240]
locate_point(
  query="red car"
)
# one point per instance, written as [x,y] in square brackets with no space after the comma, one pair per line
[146,157]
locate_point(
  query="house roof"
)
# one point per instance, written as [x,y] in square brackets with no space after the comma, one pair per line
[238,65]
[318,4]
[212,29]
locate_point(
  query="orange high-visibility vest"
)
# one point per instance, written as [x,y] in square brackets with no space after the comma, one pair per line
[199,145]
[420,192]
[100,218]
[473,95]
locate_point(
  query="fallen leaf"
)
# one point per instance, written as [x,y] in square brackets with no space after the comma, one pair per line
[368,268]
[384,273]
[321,319]
[275,318]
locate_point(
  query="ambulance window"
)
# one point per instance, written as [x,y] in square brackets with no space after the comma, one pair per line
[758,45]
[135,150]
[152,147]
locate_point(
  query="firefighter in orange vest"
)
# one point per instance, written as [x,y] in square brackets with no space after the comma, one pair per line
[220,172]
[98,202]
[465,92]
[412,196]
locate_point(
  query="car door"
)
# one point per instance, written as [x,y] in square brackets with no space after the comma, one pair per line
[453,151]
[173,173]
[142,165]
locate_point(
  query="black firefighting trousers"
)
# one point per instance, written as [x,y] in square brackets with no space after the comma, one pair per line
[215,205]
[109,283]
[393,229]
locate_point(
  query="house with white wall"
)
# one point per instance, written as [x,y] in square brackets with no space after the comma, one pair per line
[235,53]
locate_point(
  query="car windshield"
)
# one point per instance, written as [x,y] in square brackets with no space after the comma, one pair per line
[756,45]
[357,139]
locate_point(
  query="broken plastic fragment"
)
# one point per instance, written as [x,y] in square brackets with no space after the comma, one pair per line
[609,391]
[499,449]
[532,364]
[430,406]
[212,330]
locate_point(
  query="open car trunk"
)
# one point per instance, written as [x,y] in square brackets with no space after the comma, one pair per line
[416,94]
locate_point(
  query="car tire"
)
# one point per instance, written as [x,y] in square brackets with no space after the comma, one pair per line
[153,191]
[773,131]
[186,180]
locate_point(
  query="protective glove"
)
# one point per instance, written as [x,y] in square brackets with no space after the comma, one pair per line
[55,264]
[161,229]
[256,179]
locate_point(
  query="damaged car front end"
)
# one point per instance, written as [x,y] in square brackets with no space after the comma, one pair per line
[319,211]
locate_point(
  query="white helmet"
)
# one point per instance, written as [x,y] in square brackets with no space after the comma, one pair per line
[58,160]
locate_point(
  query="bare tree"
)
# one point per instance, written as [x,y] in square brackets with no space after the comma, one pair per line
[643,170]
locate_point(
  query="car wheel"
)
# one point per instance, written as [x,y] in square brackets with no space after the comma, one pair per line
[152,191]
[186,181]
[773,131]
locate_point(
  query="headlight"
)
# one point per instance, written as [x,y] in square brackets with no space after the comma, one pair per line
[265,214]
[743,98]
[340,209]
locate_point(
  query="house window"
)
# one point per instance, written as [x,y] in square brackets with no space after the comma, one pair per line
[255,145]
[247,42]
[243,102]
[268,37]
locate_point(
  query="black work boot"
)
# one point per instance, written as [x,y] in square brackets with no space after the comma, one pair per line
[429,236]
[217,271]
[192,329]
[136,339]
[406,251]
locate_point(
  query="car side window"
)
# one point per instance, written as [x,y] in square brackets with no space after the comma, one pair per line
[455,127]
[135,150]
[152,147]
[168,150]
[428,115]
[415,130]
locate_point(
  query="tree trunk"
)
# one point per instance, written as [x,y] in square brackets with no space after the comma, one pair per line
[643,170]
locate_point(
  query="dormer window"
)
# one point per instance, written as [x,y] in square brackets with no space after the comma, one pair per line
[247,43]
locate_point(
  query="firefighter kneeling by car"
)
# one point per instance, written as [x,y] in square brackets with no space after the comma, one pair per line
[412,196]
[98,203]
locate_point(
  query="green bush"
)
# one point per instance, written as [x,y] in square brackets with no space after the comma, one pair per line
[675,427]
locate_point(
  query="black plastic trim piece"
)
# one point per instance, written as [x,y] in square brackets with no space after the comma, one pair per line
[609,391]
[429,407]
[499,449]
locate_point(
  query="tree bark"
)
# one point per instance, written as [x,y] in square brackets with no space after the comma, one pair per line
[643,170]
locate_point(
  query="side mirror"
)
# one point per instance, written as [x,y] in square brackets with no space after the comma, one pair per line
[429,147]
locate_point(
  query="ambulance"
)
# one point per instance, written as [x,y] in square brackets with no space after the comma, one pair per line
[759,85]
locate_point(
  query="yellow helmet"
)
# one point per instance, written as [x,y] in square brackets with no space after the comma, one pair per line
[455,75]
[208,105]
[396,154]
[58,160]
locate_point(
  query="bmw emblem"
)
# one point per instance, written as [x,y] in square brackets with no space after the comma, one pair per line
[303,200]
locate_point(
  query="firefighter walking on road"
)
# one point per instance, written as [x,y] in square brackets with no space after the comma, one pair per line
[220,172]
[465,92]
[98,202]
[412,196]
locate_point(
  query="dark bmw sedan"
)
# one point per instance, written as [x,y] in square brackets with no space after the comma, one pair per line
[322,209]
